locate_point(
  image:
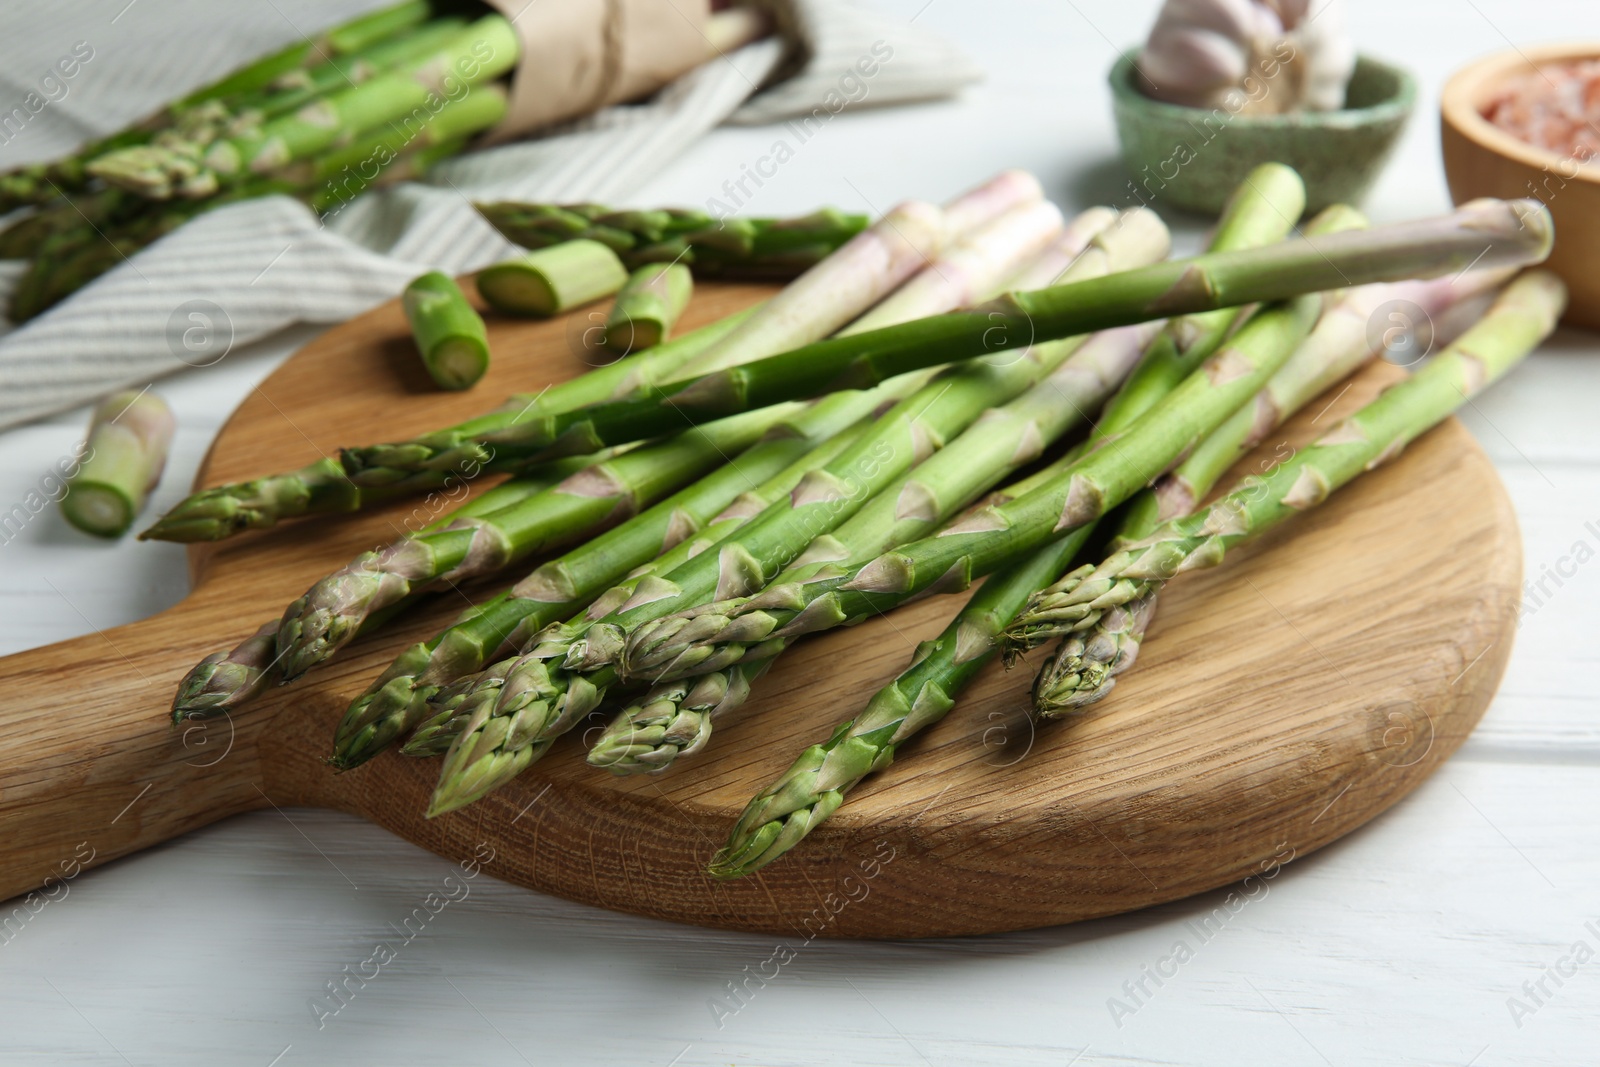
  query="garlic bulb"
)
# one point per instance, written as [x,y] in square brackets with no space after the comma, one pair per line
[1254,56]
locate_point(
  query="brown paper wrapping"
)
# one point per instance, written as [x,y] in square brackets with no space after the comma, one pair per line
[582,55]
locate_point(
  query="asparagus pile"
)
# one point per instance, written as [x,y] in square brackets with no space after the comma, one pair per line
[377,100]
[702,504]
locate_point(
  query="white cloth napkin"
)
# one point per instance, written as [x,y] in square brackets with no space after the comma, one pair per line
[240,273]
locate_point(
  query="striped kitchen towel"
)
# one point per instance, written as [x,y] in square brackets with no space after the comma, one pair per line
[242,272]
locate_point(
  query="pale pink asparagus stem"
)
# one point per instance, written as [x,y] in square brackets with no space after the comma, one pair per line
[861,272]
[973,269]
[1346,336]
[1068,245]
[1005,192]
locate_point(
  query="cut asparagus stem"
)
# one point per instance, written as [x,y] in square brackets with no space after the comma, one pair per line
[553,280]
[1487,233]
[568,671]
[382,472]
[229,679]
[1083,668]
[450,335]
[120,464]
[1522,317]
[648,307]
[720,636]
[397,700]
[812,788]
[317,625]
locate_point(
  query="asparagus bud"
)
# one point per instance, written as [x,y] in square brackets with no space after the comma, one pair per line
[648,307]
[552,280]
[126,451]
[449,333]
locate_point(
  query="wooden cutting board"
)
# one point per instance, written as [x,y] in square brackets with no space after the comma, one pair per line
[1279,703]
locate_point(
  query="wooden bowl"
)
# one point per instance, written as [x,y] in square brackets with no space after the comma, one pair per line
[1480,159]
[1194,158]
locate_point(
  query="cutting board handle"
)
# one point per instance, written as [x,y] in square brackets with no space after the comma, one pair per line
[91,767]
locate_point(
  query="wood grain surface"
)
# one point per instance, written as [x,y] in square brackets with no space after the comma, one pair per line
[1280,702]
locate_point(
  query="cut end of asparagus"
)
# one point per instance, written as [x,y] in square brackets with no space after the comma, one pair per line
[458,363]
[552,280]
[98,509]
[122,461]
[449,333]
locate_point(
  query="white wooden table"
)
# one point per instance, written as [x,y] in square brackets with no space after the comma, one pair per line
[1404,943]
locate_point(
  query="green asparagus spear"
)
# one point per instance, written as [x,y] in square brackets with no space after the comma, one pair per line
[321,622]
[229,679]
[1488,233]
[570,668]
[1083,667]
[814,786]
[324,487]
[1522,317]
[397,701]
[750,248]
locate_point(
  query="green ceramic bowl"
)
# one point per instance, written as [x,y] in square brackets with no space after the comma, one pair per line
[1193,158]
